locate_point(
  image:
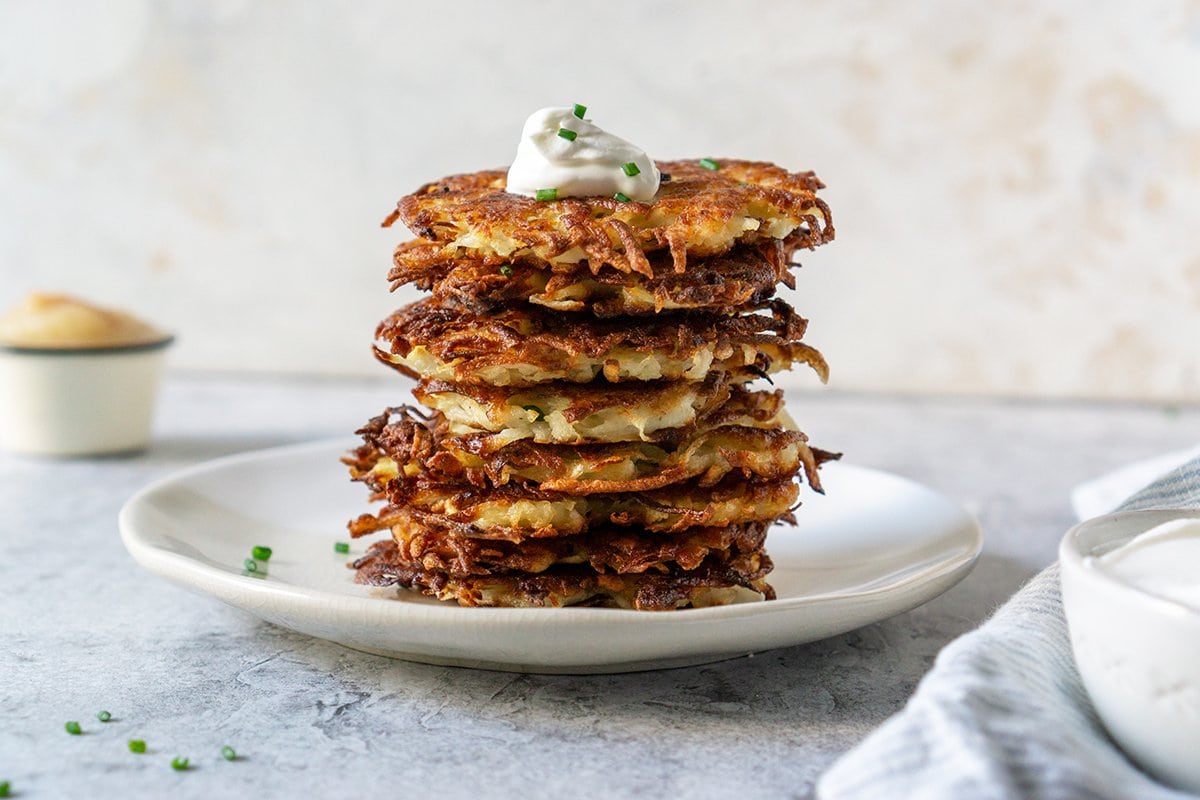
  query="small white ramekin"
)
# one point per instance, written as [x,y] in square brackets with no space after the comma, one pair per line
[1138,654]
[79,402]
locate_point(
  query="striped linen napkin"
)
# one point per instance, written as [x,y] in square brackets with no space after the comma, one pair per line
[1003,713]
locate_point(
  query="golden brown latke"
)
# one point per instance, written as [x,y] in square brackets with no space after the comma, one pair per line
[604,549]
[516,513]
[698,213]
[528,346]
[588,411]
[572,413]
[712,583]
[743,277]
[402,444]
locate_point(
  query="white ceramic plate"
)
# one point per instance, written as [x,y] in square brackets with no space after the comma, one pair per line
[875,545]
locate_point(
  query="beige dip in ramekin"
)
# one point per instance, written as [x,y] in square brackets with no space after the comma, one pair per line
[76,379]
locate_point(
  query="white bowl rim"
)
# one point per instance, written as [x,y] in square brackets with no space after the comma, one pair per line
[1071,556]
[104,350]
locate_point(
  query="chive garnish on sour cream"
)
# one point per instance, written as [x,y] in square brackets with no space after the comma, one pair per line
[567,134]
[708,163]
[630,169]
[546,194]
[580,110]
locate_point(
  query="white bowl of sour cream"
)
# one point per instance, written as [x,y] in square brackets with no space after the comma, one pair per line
[1131,594]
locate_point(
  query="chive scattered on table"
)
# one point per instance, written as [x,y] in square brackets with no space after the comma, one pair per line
[250,564]
[73,728]
[341,547]
[228,753]
[137,745]
[261,553]
[103,716]
[5,789]
[179,763]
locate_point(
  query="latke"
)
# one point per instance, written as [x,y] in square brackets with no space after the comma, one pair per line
[745,276]
[604,549]
[516,513]
[698,212]
[570,413]
[712,583]
[400,444]
[528,346]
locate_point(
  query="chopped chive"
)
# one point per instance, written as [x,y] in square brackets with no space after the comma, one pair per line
[630,169]
[624,198]
[580,110]
[541,415]
[250,564]
[228,753]
[708,163]
[341,547]
[5,789]
[261,553]
[73,728]
[103,716]
[547,194]
[506,270]
[137,745]
[180,763]
[567,134]
[664,177]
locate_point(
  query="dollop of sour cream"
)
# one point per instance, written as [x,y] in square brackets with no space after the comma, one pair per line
[1163,561]
[593,163]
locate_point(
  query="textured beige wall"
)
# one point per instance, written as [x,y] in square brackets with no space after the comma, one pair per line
[1016,185]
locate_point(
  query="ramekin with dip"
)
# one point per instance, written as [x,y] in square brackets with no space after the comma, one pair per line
[77,379]
[1131,593]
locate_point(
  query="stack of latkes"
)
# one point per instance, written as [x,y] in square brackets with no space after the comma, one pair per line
[590,435]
